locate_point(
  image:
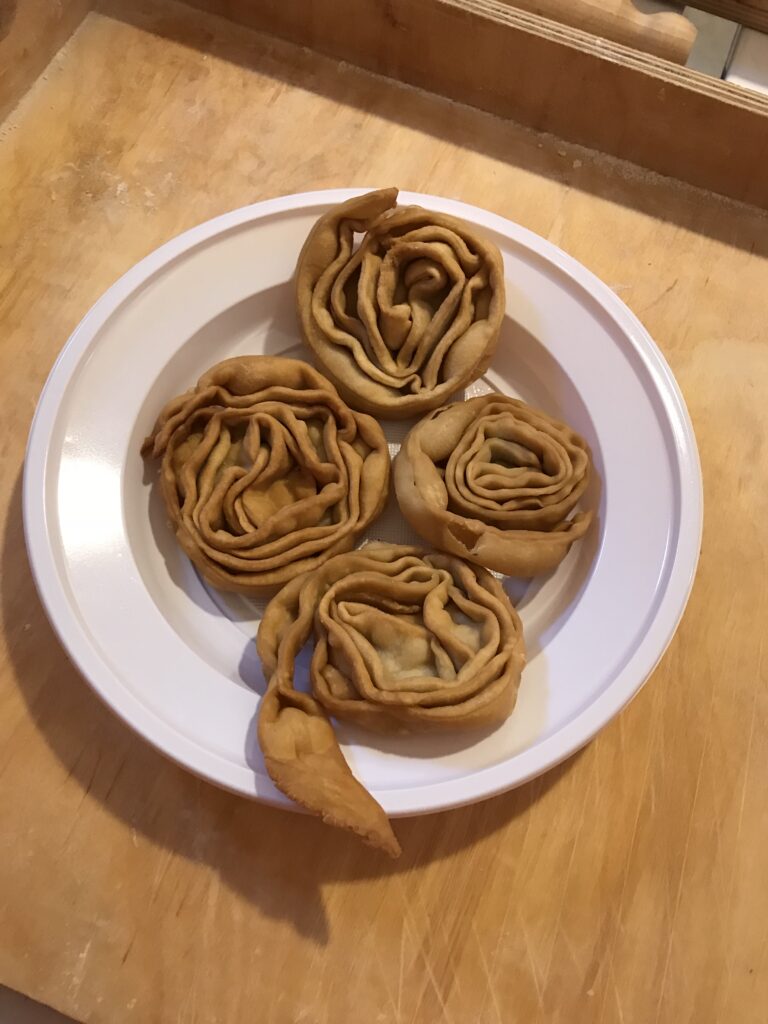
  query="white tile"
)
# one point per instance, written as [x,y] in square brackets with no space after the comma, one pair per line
[715,39]
[749,65]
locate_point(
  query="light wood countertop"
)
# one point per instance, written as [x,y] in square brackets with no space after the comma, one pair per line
[628,885]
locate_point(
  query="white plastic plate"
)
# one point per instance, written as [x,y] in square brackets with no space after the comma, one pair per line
[177,661]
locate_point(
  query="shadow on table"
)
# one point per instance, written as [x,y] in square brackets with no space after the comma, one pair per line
[278,860]
[585,170]
[7,15]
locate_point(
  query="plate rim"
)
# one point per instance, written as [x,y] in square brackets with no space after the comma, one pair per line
[483,783]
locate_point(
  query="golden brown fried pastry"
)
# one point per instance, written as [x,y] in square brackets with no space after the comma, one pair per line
[266,473]
[405,641]
[495,481]
[410,316]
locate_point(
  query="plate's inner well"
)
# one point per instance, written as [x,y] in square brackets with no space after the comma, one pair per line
[522,369]
[177,659]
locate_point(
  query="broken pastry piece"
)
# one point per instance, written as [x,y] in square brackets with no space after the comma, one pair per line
[409,316]
[404,641]
[266,473]
[495,481]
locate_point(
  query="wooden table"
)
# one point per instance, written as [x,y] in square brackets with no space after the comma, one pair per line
[629,885]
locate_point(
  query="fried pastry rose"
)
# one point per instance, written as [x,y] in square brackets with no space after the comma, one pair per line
[409,316]
[495,481]
[266,473]
[404,641]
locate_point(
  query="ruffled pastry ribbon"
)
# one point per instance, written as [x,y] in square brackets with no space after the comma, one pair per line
[407,317]
[495,481]
[266,473]
[404,641]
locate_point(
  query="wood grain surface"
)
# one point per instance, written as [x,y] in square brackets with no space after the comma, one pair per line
[666,34]
[628,885]
[543,74]
[752,13]
[31,32]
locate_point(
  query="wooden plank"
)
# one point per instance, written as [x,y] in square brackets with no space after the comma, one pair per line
[31,32]
[550,77]
[626,885]
[751,13]
[665,34]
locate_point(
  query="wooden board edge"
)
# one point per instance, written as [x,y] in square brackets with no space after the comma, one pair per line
[740,11]
[31,33]
[606,49]
[547,76]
